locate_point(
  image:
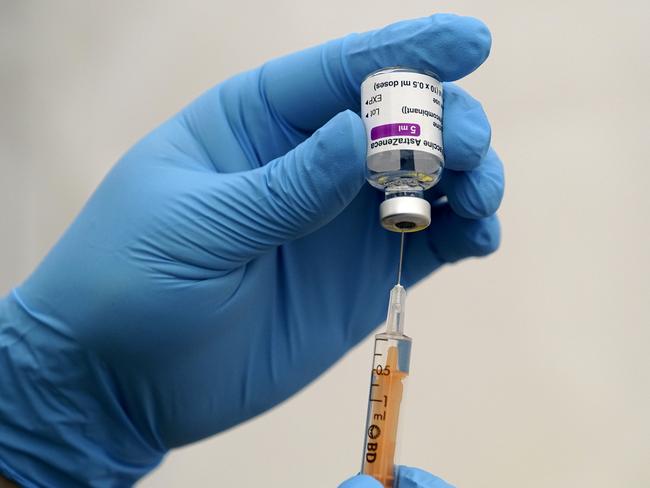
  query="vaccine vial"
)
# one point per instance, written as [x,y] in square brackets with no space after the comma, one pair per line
[402,112]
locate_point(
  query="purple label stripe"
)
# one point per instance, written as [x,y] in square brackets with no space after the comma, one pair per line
[388,130]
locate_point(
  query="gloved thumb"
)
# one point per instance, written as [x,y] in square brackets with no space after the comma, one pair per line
[292,195]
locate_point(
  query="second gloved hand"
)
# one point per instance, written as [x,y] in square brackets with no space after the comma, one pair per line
[407,477]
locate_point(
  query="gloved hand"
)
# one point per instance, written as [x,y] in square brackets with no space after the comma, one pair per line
[229,258]
[406,478]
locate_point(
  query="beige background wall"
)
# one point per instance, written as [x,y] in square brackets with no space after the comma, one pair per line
[531,368]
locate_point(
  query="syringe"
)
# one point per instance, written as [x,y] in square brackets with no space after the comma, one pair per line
[390,367]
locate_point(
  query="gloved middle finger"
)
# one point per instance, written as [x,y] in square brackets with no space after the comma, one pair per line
[467,132]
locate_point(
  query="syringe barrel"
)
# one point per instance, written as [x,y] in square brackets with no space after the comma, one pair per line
[390,368]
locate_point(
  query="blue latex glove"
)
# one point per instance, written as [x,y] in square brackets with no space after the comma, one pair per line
[229,258]
[406,478]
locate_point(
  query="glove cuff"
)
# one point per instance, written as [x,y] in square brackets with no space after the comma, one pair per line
[61,421]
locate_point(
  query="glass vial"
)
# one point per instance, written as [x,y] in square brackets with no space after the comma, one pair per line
[402,111]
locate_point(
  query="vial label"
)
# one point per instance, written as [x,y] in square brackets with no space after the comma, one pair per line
[402,109]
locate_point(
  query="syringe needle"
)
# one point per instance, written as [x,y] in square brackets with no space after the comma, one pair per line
[395,318]
[401,257]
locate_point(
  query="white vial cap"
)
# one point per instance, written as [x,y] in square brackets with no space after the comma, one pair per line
[405,214]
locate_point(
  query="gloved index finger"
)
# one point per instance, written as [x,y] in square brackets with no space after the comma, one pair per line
[309,87]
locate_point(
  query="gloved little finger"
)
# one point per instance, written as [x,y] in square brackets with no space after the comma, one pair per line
[416,478]
[477,193]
